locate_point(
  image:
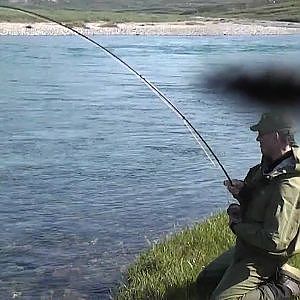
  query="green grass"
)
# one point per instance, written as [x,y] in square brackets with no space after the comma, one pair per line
[168,269]
[284,11]
[71,16]
[158,11]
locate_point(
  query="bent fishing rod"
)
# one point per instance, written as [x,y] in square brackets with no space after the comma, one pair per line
[197,136]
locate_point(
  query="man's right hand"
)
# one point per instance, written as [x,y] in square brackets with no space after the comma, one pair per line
[235,187]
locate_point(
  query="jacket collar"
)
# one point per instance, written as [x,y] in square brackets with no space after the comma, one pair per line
[296,154]
[288,163]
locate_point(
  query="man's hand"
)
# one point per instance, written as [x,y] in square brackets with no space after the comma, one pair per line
[234,213]
[235,187]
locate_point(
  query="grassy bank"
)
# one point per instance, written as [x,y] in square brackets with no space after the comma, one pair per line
[168,270]
[159,11]
[68,15]
[288,11]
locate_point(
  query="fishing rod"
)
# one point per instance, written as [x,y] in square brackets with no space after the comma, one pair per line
[197,136]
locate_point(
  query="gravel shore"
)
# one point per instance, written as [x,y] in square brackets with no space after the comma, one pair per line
[197,27]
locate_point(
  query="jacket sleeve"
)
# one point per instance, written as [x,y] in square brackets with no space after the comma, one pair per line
[281,221]
[246,192]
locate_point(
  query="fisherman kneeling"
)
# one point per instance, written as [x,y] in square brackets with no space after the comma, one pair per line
[266,223]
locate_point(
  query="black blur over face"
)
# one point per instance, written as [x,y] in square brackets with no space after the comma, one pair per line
[268,85]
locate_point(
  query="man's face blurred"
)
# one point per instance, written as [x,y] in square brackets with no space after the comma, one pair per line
[268,143]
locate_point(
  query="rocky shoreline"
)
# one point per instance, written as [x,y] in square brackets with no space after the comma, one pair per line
[198,27]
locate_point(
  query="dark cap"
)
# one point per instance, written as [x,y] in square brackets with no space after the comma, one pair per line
[274,121]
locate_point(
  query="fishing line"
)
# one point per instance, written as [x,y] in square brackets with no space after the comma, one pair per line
[197,136]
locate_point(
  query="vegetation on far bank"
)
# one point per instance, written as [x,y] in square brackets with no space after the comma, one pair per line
[168,270]
[286,11]
[159,11]
[65,15]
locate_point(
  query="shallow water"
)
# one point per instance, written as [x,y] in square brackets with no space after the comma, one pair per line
[93,165]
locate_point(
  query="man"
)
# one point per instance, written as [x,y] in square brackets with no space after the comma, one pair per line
[266,223]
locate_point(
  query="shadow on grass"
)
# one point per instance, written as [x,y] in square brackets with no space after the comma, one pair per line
[187,292]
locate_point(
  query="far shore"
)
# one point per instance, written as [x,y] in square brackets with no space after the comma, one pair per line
[197,27]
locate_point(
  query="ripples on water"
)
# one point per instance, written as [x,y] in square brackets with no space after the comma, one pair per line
[93,165]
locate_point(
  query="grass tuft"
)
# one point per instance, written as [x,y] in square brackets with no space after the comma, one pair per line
[109,25]
[78,24]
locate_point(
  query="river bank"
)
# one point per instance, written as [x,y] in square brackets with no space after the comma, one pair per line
[168,269]
[199,27]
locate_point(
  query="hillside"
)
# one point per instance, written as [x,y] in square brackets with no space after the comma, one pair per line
[279,10]
[175,5]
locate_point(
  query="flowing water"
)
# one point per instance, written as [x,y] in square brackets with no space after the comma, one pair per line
[94,166]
